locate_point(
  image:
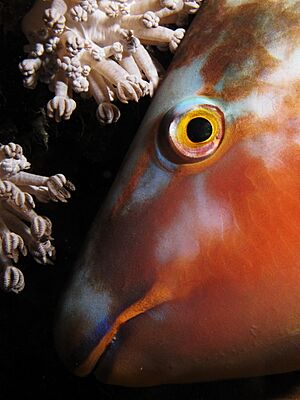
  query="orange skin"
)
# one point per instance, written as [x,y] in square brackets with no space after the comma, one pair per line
[192,271]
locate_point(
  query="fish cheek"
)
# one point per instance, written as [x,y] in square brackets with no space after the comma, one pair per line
[261,189]
[237,318]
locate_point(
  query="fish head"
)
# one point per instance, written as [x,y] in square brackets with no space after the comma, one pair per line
[191,270]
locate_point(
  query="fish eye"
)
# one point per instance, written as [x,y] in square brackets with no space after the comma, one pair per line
[193,130]
[199,130]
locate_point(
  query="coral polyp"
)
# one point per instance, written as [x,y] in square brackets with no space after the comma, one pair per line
[21,228]
[99,49]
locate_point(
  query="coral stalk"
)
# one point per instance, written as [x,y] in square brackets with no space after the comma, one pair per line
[76,44]
[21,228]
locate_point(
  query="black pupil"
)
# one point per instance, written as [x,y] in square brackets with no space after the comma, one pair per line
[199,130]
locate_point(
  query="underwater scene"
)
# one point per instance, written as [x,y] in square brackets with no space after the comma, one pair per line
[149,199]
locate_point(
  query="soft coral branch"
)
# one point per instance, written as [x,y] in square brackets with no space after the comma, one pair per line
[21,228]
[103,42]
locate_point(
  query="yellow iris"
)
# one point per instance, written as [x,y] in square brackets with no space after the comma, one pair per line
[194,130]
[205,112]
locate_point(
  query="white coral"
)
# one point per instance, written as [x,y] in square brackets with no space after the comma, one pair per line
[21,228]
[99,47]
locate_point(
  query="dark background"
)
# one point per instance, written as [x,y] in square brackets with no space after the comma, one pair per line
[90,156]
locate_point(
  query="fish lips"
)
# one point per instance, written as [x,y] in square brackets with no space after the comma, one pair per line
[148,350]
[109,280]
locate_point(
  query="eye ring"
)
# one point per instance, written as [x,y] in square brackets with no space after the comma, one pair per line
[193,130]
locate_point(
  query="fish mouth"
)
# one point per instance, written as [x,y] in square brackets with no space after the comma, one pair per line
[126,361]
[163,340]
[156,296]
[212,331]
[95,355]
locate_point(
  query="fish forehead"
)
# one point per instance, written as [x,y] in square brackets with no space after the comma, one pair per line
[240,40]
[245,61]
[250,71]
[246,53]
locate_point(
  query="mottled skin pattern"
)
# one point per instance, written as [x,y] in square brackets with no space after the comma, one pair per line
[192,271]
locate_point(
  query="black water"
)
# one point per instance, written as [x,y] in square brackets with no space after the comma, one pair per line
[90,157]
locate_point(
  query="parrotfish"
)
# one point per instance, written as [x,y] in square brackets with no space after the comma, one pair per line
[191,270]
